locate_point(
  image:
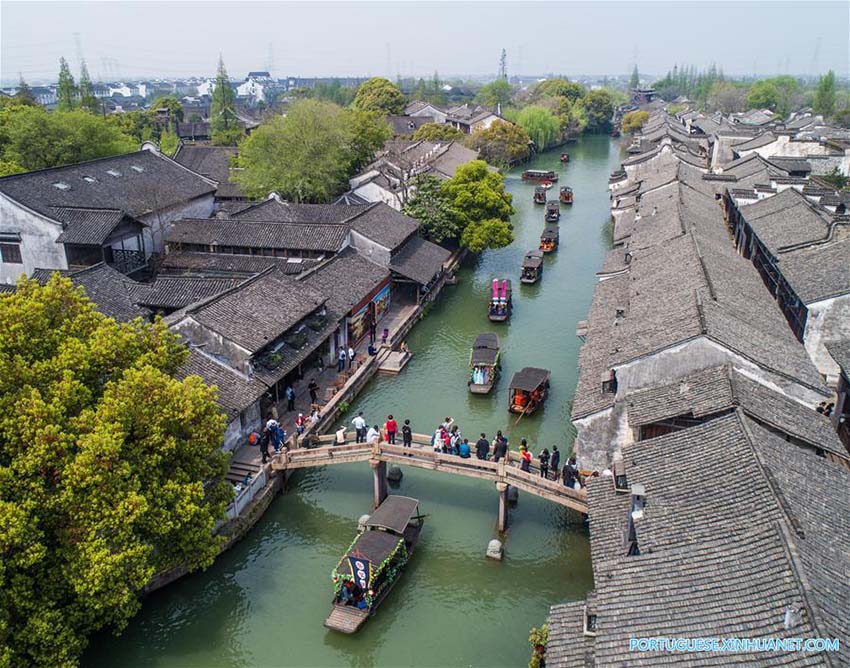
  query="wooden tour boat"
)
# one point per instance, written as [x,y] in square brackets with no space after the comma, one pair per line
[529,389]
[566,195]
[484,363]
[540,195]
[374,562]
[550,238]
[553,211]
[539,175]
[532,267]
[500,306]
[565,157]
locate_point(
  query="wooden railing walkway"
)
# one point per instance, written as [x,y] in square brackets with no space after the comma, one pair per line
[422,455]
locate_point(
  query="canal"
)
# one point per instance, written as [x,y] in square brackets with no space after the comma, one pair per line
[263,602]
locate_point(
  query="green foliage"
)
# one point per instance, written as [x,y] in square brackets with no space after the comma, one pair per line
[727,97]
[762,95]
[634,120]
[175,108]
[836,178]
[501,144]
[228,137]
[570,90]
[599,108]
[430,91]
[24,94]
[634,81]
[380,95]
[687,81]
[541,124]
[332,91]
[139,125]
[35,139]
[7,167]
[674,109]
[110,470]
[437,132]
[168,142]
[88,100]
[478,199]
[490,233]
[223,104]
[307,155]
[824,102]
[538,637]
[432,207]
[195,117]
[495,93]
[66,92]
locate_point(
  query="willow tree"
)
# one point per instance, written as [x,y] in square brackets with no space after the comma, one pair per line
[110,470]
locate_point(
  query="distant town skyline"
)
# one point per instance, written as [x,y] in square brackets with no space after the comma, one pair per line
[133,40]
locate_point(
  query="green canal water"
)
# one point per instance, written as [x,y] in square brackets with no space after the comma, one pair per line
[263,602]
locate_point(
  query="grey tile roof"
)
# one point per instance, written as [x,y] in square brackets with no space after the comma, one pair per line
[786,219]
[258,310]
[346,279]
[256,234]
[214,163]
[161,183]
[567,646]
[384,225]
[276,210]
[175,292]
[840,352]
[407,125]
[818,272]
[754,143]
[236,391]
[790,164]
[419,260]
[86,226]
[187,262]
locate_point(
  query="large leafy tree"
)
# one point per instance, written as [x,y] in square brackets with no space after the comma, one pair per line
[437,132]
[223,107]
[599,108]
[24,94]
[110,470]
[481,206]
[824,102]
[35,139]
[634,120]
[762,95]
[367,132]
[501,144]
[498,92]
[88,99]
[175,108]
[432,207]
[307,155]
[541,125]
[559,88]
[381,95]
[66,91]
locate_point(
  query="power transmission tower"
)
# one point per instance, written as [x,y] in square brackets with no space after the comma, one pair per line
[503,65]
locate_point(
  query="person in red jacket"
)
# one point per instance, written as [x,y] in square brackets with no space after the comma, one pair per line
[391,427]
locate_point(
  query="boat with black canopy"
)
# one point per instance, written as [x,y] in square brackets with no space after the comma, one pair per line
[553,211]
[529,389]
[532,267]
[374,562]
[540,194]
[539,175]
[566,195]
[484,363]
[550,238]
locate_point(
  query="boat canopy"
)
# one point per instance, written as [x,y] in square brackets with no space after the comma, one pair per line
[566,189]
[373,546]
[552,205]
[551,231]
[485,350]
[533,259]
[393,514]
[529,379]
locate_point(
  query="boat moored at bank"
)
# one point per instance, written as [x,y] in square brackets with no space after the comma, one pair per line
[374,562]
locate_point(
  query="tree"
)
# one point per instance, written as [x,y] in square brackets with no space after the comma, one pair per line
[305,155]
[496,93]
[437,132]
[762,95]
[599,107]
[66,92]
[110,469]
[432,207]
[368,131]
[824,102]
[727,97]
[24,94]
[222,106]
[634,81]
[634,120]
[168,142]
[35,139]
[541,124]
[478,199]
[788,96]
[501,144]
[381,95]
[88,99]
[836,178]
[174,106]
[559,88]
[230,137]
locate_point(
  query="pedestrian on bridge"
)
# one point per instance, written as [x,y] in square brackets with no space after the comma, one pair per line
[373,436]
[555,462]
[482,447]
[544,463]
[500,447]
[359,428]
[406,434]
[525,457]
[391,427]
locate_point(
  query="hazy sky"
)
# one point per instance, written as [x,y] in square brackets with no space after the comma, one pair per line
[136,39]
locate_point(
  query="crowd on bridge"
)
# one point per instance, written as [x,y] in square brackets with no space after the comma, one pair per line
[447,438]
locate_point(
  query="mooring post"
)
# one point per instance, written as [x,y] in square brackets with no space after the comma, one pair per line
[379,473]
[502,521]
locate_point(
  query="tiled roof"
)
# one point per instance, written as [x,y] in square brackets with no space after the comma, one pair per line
[214,163]
[175,292]
[786,219]
[818,272]
[273,209]
[346,279]
[251,234]
[135,183]
[258,310]
[384,225]
[840,352]
[756,142]
[419,260]
[86,226]
[407,125]
[187,262]
[567,646]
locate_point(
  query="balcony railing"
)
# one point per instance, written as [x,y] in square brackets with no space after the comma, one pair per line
[127,261]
